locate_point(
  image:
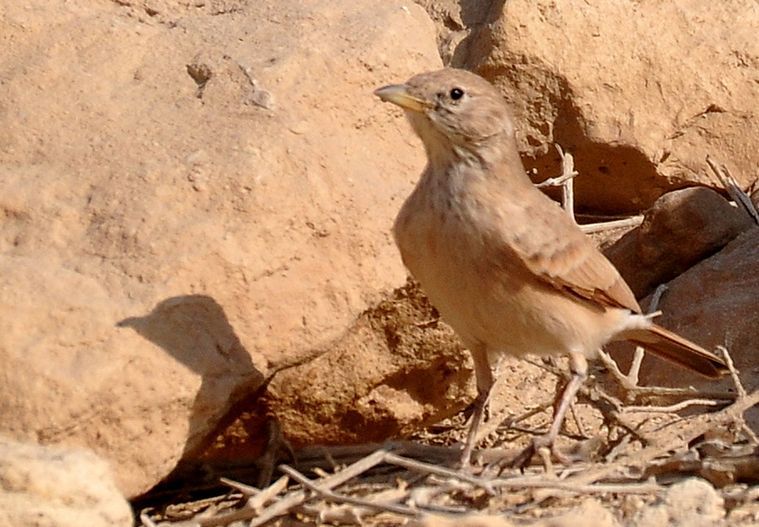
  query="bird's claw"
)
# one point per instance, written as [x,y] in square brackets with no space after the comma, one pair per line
[538,444]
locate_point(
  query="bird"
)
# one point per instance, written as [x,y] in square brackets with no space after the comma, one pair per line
[503,264]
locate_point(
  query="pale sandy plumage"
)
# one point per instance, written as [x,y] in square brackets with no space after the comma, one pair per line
[504,265]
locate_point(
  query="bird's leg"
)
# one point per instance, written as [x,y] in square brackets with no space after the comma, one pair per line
[484,376]
[578,365]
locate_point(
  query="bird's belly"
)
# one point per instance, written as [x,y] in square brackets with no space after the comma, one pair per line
[503,306]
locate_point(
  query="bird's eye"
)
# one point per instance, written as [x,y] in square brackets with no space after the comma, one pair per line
[456,94]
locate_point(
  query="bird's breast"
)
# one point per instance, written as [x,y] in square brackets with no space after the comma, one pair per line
[444,251]
[429,230]
[445,223]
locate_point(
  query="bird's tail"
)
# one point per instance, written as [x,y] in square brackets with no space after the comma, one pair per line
[677,349]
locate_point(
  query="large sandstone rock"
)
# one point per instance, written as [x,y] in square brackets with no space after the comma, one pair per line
[714,303]
[355,393]
[639,92]
[58,487]
[195,195]
[681,229]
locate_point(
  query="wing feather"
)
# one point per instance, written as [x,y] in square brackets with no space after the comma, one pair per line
[557,252]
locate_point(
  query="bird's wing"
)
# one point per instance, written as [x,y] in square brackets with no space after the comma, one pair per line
[556,251]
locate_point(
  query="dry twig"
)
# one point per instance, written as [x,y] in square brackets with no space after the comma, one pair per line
[344,498]
[565,181]
[145,518]
[599,488]
[686,431]
[428,468]
[624,223]
[293,499]
[729,183]
[672,408]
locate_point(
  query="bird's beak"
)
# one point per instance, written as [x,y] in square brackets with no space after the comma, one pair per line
[399,94]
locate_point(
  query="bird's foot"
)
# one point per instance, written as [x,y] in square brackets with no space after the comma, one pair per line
[543,446]
[467,462]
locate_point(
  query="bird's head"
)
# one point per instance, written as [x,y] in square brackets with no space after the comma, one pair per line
[452,109]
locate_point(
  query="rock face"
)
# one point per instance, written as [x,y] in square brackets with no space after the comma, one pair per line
[356,393]
[638,92]
[193,197]
[681,229]
[58,487]
[714,303]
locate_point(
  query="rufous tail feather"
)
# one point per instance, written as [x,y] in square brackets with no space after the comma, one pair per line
[677,349]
